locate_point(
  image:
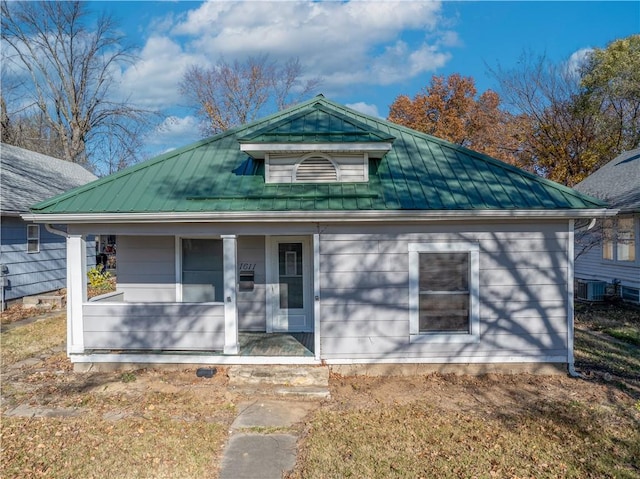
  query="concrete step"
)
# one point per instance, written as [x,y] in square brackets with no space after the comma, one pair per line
[45,300]
[279,380]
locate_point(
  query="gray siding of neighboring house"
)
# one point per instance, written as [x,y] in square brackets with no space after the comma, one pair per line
[34,273]
[590,265]
[364,280]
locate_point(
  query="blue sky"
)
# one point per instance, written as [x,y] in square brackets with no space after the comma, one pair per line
[366,53]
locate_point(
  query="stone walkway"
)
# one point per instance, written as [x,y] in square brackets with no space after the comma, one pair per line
[263,439]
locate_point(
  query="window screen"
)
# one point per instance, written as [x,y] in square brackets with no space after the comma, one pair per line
[202,271]
[444,292]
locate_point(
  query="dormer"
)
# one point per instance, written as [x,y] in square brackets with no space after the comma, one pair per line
[318,145]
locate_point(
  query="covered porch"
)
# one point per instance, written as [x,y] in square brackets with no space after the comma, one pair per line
[272,320]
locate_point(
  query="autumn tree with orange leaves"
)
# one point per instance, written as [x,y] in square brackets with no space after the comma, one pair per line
[448,109]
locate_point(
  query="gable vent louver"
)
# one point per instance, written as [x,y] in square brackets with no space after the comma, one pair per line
[316,169]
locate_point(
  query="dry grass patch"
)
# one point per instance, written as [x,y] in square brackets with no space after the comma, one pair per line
[136,424]
[31,339]
[155,446]
[163,424]
[491,426]
[480,434]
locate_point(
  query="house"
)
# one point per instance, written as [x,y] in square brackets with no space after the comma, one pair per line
[610,249]
[33,258]
[362,240]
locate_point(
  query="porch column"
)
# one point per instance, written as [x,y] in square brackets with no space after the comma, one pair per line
[76,291]
[229,247]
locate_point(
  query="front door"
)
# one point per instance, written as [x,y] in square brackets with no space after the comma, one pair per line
[290,288]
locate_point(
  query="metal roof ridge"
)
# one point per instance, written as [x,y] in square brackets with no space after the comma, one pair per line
[316,103]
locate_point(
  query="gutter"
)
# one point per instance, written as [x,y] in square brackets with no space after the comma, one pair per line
[347,216]
[53,230]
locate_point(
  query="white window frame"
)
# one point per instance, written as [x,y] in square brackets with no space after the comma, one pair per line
[178,264]
[473,336]
[32,237]
[612,233]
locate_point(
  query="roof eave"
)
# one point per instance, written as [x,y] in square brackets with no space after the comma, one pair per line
[258,150]
[355,216]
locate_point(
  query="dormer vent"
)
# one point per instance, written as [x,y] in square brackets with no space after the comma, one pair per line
[316,169]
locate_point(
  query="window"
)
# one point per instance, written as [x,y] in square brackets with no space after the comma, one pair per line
[33,238]
[290,275]
[443,300]
[202,270]
[619,239]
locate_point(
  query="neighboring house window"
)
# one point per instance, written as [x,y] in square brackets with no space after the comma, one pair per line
[33,238]
[316,169]
[444,297]
[202,271]
[619,239]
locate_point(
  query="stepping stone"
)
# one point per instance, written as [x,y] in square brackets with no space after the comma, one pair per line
[271,413]
[258,456]
[24,410]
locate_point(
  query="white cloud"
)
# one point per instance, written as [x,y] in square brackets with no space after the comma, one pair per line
[153,80]
[343,43]
[366,108]
[174,132]
[577,59]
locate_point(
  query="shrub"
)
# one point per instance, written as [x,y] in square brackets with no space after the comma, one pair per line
[99,278]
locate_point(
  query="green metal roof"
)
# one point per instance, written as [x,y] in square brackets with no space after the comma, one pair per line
[419,173]
[317,124]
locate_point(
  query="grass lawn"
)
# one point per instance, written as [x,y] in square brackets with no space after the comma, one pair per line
[142,424]
[161,424]
[492,426]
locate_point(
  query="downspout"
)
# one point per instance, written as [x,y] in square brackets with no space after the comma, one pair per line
[55,231]
[570,307]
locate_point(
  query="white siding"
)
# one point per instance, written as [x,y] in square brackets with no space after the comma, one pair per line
[147,326]
[251,304]
[146,268]
[364,283]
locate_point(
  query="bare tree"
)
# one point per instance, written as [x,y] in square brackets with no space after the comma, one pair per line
[564,144]
[231,94]
[68,70]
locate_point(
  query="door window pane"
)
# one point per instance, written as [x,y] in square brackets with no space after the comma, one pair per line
[290,276]
[202,271]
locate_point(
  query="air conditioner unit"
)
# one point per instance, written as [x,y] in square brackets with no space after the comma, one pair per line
[590,290]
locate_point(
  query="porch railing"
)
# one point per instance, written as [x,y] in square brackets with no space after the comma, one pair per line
[112,325]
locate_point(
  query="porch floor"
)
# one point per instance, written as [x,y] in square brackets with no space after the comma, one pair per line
[276,344]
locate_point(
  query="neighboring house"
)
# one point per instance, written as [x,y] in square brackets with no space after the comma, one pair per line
[33,258]
[611,254]
[367,241]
